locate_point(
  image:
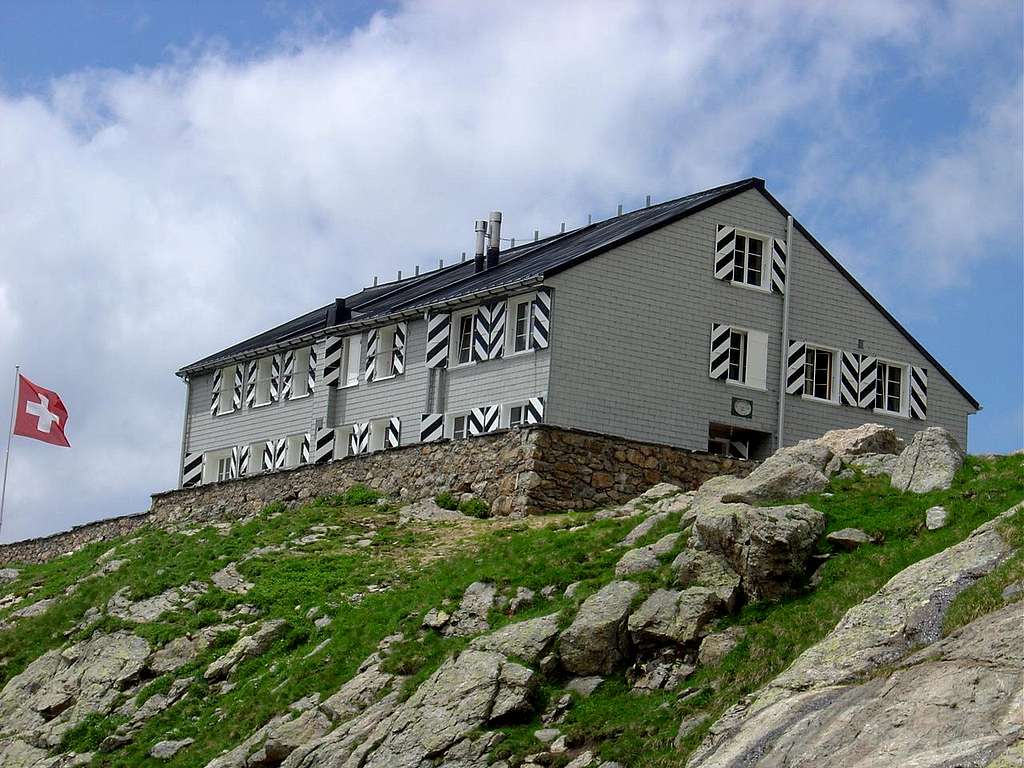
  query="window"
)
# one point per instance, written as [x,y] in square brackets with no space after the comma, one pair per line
[464,337]
[748,258]
[293,451]
[460,428]
[342,440]
[516,416]
[264,376]
[737,356]
[521,314]
[300,381]
[218,466]
[224,468]
[818,374]
[350,359]
[889,388]
[378,433]
[256,457]
[227,390]
[385,360]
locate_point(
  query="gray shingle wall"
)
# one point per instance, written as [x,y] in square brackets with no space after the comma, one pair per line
[631,328]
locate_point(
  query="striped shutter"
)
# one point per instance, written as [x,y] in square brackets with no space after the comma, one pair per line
[243,460]
[484,419]
[431,427]
[849,379]
[324,448]
[236,389]
[360,439]
[268,456]
[233,464]
[275,377]
[307,445]
[542,318]
[333,348]
[778,266]
[496,348]
[280,453]
[725,245]
[251,369]
[439,329]
[289,374]
[398,357]
[311,374]
[372,343]
[720,337]
[482,334]
[393,436]
[918,392]
[215,388]
[795,358]
[740,448]
[192,470]
[535,410]
[866,381]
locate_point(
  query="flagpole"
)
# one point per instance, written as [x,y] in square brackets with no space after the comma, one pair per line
[7,455]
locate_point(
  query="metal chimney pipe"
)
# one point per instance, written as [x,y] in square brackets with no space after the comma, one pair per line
[494,243]
[478,254]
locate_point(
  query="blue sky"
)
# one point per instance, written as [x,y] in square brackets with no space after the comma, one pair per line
[181,175]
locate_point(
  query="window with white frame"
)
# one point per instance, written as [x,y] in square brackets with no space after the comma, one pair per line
[460,427]
[300,381]
[256,456]
[218,466]
[293,450]
[889,387]
[462,338]
[737,356]
[818,373]
[342,442]
[223,468]
[350,358]
[385,360]
[378,433]
[227,389]
[520,325]
[516,416]
[748,260]
[264,377]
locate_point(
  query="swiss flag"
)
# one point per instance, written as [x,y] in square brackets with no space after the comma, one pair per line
[40,414]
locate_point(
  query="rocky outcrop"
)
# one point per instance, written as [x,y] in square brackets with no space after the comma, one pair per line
[786,474]
[247,647]
[597,642]
[929,463]
[527,640]
[962,694]
[865,439]
[672,617]
[646,558]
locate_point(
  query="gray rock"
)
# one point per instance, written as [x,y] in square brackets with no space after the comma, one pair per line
[526,640]
[523,599]
[165,750]
[669,616]
[642,529]
[9,574]
[176,654]
[471,616]
[935,518]
[1012,591]
[646,558]
[230,580]
[285,737]
[929,463]
[428,510]
[698,568]
[848,538]
[547,735]
[245,648]
[767,546]
[361,691]
[865,439]
[688,726]
[718,645]
[435,619]
[35,609]
[660,674]
[152,608]
[875,464]
[584,686]
[581,760]
[597,642]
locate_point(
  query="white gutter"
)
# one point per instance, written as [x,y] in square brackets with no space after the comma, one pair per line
[784,346]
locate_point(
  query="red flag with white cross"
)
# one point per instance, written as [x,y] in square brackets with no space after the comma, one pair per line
[40,414]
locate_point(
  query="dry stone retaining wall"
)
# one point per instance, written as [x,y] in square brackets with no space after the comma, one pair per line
[518,472]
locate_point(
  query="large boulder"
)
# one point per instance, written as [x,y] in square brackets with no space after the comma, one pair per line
[597,641]
[526,640]
[698,568]
[875,464]
[929,463]
[789,472]
[767,546]
[865,439]
[668,616]
[646,558]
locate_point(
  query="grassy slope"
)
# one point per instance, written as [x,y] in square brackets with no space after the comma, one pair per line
[424,566]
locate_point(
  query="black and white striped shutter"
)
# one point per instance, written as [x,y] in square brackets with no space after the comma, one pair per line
[725,245]
[215,388]
[398,356]
[289,374]
[542,318]
[243,460]
[918,392]
[482,334]
[236,389]
[849,379]
[324,449]
[484,419]
[431,427]
[360,438]
[192,470]
[307,446]
[372,344]
[778,266]
[393,435]
[233,463]
[281,453]
[740,448]
[251,370]
[275,377]
[497,346]
[867,381]
[535,410]
[311,373]
[333,348]
[439,328]
[796,356]
[720,337]
[268,456]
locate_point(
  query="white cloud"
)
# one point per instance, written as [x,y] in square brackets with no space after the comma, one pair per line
[151,217]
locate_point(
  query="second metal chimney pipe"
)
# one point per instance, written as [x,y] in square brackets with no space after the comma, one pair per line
[494,233]
[478,254]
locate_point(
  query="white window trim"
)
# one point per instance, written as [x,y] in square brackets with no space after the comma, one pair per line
[904,411]
[510,324]
[259,364]
[449,425]
[766,284]
[505,422]
[834,400]
[453,349]
[746,357]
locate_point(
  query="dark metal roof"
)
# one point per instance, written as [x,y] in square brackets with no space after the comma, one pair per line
[530,262]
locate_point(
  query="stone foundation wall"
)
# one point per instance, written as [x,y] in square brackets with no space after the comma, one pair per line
[518,472]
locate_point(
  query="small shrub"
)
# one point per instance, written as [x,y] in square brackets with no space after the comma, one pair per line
[274,508]
[475,508]
[446,500]
[360,495]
